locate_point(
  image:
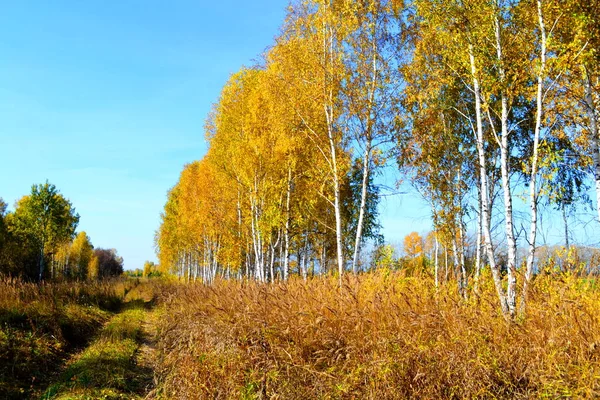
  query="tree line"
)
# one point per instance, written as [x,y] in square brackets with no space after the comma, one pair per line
[423,256]
[477,103]
[38,241]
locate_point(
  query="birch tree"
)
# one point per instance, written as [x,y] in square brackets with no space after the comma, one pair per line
[371,88]
[48,217]
[312,48]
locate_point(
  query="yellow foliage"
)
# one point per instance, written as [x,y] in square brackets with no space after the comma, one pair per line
[413,245]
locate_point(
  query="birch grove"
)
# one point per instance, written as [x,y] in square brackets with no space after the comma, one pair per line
[483,105]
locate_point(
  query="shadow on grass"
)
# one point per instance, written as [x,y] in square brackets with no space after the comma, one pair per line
[104,366]
[108,366]
[35,342]
[138,304]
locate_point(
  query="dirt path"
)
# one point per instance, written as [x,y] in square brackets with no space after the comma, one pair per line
[119,363]
[145,356]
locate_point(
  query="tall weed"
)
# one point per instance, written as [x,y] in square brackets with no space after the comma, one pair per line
[381,336]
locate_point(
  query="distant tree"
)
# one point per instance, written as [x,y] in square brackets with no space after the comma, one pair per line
[3,232]
[384,257]
[16,255]
[93,267]
[81,255]
[150,269]
[109,263]
[414,260]
[413,245]
[136,273]
[45,219]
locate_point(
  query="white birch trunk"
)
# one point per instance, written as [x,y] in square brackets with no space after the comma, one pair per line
[566,223]
[330,118]
[363,204]
[336,194]
[304,257]
[366,157]
[478,257]
[436,264]
[215,261]
[533,196]
[286,254]
[463,270]
[257,244]
[445,264]
[336,203]
[511,244]
[484,187]
[461,243]
[457,269]
[272,260]
[592,112]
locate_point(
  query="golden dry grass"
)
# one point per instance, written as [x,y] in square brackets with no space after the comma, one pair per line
[382,336]
[41,324]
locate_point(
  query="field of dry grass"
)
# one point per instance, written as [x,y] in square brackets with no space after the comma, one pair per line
[41,324]
[381,336]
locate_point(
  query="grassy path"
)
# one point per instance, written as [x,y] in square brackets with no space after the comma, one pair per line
[119,363]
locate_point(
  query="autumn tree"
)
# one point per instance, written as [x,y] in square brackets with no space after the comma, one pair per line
[414,257]
[384,257]
[370,90]
[436,140]
[81,255]
[150,269]
[487,101]
[311,51]
[47,218]
[94,267]
[247,149]
[3,231]
[39,237]
[577,38]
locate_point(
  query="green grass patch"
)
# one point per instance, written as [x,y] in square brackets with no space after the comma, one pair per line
[106,369]
[105,364]
[126,325]
[95,394]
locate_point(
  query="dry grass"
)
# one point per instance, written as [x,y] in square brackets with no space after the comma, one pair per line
[108,368]
[41,324]
[382,336]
